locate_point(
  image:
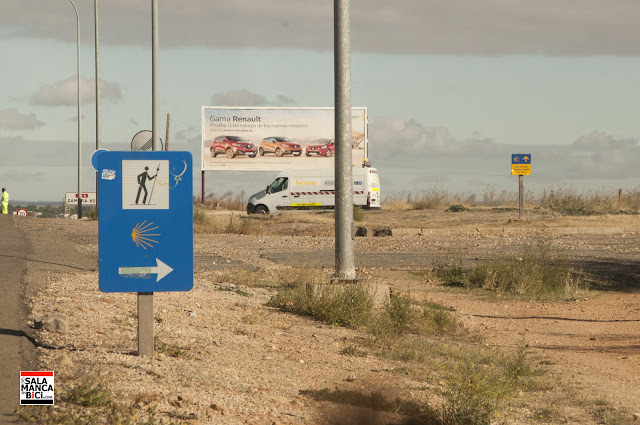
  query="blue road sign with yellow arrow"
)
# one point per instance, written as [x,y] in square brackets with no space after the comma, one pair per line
[145,221]
[521,164]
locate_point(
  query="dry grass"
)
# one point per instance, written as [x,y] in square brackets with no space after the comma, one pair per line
[534,273]
[206,222]
[227,201]
[563,200]
[568,201]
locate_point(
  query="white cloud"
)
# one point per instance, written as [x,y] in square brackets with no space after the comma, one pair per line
[600,140]
[398,138]
[13,120]
[246,98]
[190,136]
[488,27]
[433,151]
[65,93]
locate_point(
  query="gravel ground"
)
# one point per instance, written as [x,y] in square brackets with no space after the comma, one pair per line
[239,362]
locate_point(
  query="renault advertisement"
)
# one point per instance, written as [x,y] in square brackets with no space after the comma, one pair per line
[271,139]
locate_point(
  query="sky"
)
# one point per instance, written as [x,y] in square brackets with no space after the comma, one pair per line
[452,88]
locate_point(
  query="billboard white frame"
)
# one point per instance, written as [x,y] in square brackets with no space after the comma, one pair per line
[304,126]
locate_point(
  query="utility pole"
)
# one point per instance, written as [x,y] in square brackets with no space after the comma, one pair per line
[145,299]
[97,53]
[345,264]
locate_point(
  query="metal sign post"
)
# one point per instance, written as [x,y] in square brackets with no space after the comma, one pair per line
[521,166]
[145,299]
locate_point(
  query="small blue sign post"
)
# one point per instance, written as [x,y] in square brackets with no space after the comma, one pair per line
[146,221]
[521,166]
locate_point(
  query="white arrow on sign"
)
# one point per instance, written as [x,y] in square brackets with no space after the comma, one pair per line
[161,269]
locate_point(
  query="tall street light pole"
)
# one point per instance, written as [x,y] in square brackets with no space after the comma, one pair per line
[345,262]
[95,9]
[145,299]
[79,113]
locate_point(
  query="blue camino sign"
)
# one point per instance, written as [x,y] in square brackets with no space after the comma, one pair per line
[145,221]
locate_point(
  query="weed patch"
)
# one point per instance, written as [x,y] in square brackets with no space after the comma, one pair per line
[456,208]
[88,393]
[358,213]
[535,274]
[473,394]
[348,305]
[451,274]
[353,351]
[402,316]
[202,222]
[226,201]
[170,350]
[89,402]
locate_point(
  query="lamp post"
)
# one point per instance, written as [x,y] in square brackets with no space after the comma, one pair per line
[97,54]
[79,112]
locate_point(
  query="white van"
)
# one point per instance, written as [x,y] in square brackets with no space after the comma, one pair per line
[314,190]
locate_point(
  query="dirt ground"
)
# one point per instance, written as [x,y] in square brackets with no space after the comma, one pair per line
[241,362]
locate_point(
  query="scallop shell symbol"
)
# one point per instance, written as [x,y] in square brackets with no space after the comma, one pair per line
[141,236]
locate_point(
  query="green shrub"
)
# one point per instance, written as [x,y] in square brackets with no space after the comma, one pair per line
[349,305]
[456,208]
[527,275]
[202,222]
[89,393]
[170,350]
[358,213]
[451,275]
[535,273]
[473,394]
[238,226]
[402,316]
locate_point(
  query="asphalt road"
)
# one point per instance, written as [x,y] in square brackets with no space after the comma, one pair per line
[17,352]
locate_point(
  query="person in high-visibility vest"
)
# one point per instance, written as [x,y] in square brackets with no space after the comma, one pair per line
[5,201]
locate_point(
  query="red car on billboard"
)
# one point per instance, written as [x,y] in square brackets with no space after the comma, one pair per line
[280,146]
[231,146]
[322,147]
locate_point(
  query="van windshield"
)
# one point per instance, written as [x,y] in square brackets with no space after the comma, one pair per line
[278,185]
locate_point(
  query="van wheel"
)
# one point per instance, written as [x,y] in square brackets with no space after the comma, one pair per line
[261,152]
[328,154]
[213,152]
[230,153]
[308,154]
[253,155]
[278,152]
[261,209]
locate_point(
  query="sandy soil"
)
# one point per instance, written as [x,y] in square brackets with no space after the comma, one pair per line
[241,362]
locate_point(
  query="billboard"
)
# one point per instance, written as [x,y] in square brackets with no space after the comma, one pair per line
[271,139]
